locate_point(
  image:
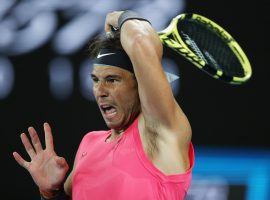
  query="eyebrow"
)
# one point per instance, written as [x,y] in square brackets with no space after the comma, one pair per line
[107,77]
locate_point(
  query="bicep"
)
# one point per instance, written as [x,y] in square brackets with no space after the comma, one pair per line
[156,96]
[157,101]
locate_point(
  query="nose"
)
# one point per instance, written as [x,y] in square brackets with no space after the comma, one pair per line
[100,90]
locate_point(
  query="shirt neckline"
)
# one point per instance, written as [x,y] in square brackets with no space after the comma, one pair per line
[108,135]
[119,138]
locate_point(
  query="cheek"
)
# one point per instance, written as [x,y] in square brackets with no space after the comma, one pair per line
[94,91]
[129,99]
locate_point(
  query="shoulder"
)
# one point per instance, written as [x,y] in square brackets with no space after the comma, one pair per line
[88,140]
[91,137]
[95,133]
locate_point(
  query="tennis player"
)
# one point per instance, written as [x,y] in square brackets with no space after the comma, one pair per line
[147,153]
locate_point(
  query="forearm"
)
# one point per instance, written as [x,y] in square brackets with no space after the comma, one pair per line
[144,48]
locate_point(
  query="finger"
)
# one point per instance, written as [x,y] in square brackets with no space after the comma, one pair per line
[111,21]
[27,145]
[35,139]
[48,137]
[110,28]
[107,25]
[20,160]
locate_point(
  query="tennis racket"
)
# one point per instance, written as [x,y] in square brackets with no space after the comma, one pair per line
[208,46]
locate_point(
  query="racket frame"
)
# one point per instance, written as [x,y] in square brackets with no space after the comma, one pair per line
[172,39]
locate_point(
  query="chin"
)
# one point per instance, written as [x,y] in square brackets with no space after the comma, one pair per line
[113,124]
[118,124]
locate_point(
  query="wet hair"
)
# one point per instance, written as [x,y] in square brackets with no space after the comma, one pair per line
[102,41]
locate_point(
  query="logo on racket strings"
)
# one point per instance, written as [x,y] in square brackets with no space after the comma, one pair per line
[192,44]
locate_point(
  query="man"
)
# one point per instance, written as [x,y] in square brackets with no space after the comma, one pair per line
[147,153]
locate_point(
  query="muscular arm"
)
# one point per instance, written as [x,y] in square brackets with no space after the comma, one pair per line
[159,107]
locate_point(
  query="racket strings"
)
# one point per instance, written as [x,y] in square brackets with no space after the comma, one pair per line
[194,46]
[215,50]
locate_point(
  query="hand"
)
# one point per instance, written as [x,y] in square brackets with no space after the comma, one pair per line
[46,168]
[112,20]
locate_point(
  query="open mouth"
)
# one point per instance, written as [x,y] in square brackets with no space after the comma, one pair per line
[108,110]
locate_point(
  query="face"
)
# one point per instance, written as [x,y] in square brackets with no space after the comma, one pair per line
[116,93]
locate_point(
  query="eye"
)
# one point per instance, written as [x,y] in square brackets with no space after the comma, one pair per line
[95,79]
[111,80]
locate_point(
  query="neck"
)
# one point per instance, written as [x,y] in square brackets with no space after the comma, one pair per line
[118,132]
[114,135]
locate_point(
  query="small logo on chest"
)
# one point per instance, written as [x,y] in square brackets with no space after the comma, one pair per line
[83,154]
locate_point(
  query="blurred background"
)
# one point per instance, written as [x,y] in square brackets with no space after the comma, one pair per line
[45,77]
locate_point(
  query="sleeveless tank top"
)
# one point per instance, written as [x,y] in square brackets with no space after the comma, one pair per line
[120,170]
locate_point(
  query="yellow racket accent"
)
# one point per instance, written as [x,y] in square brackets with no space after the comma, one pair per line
[172,39]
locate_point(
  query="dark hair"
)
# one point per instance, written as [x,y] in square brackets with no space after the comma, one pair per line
[102,41]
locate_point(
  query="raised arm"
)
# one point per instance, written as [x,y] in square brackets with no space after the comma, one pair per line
[160,110]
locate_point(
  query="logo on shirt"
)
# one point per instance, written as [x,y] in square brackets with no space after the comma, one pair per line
[83,154]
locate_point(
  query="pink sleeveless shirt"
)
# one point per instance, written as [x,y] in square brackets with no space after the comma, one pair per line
[120,170]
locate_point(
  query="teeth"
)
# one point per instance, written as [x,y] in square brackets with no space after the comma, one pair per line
[108,109]
[105,106]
